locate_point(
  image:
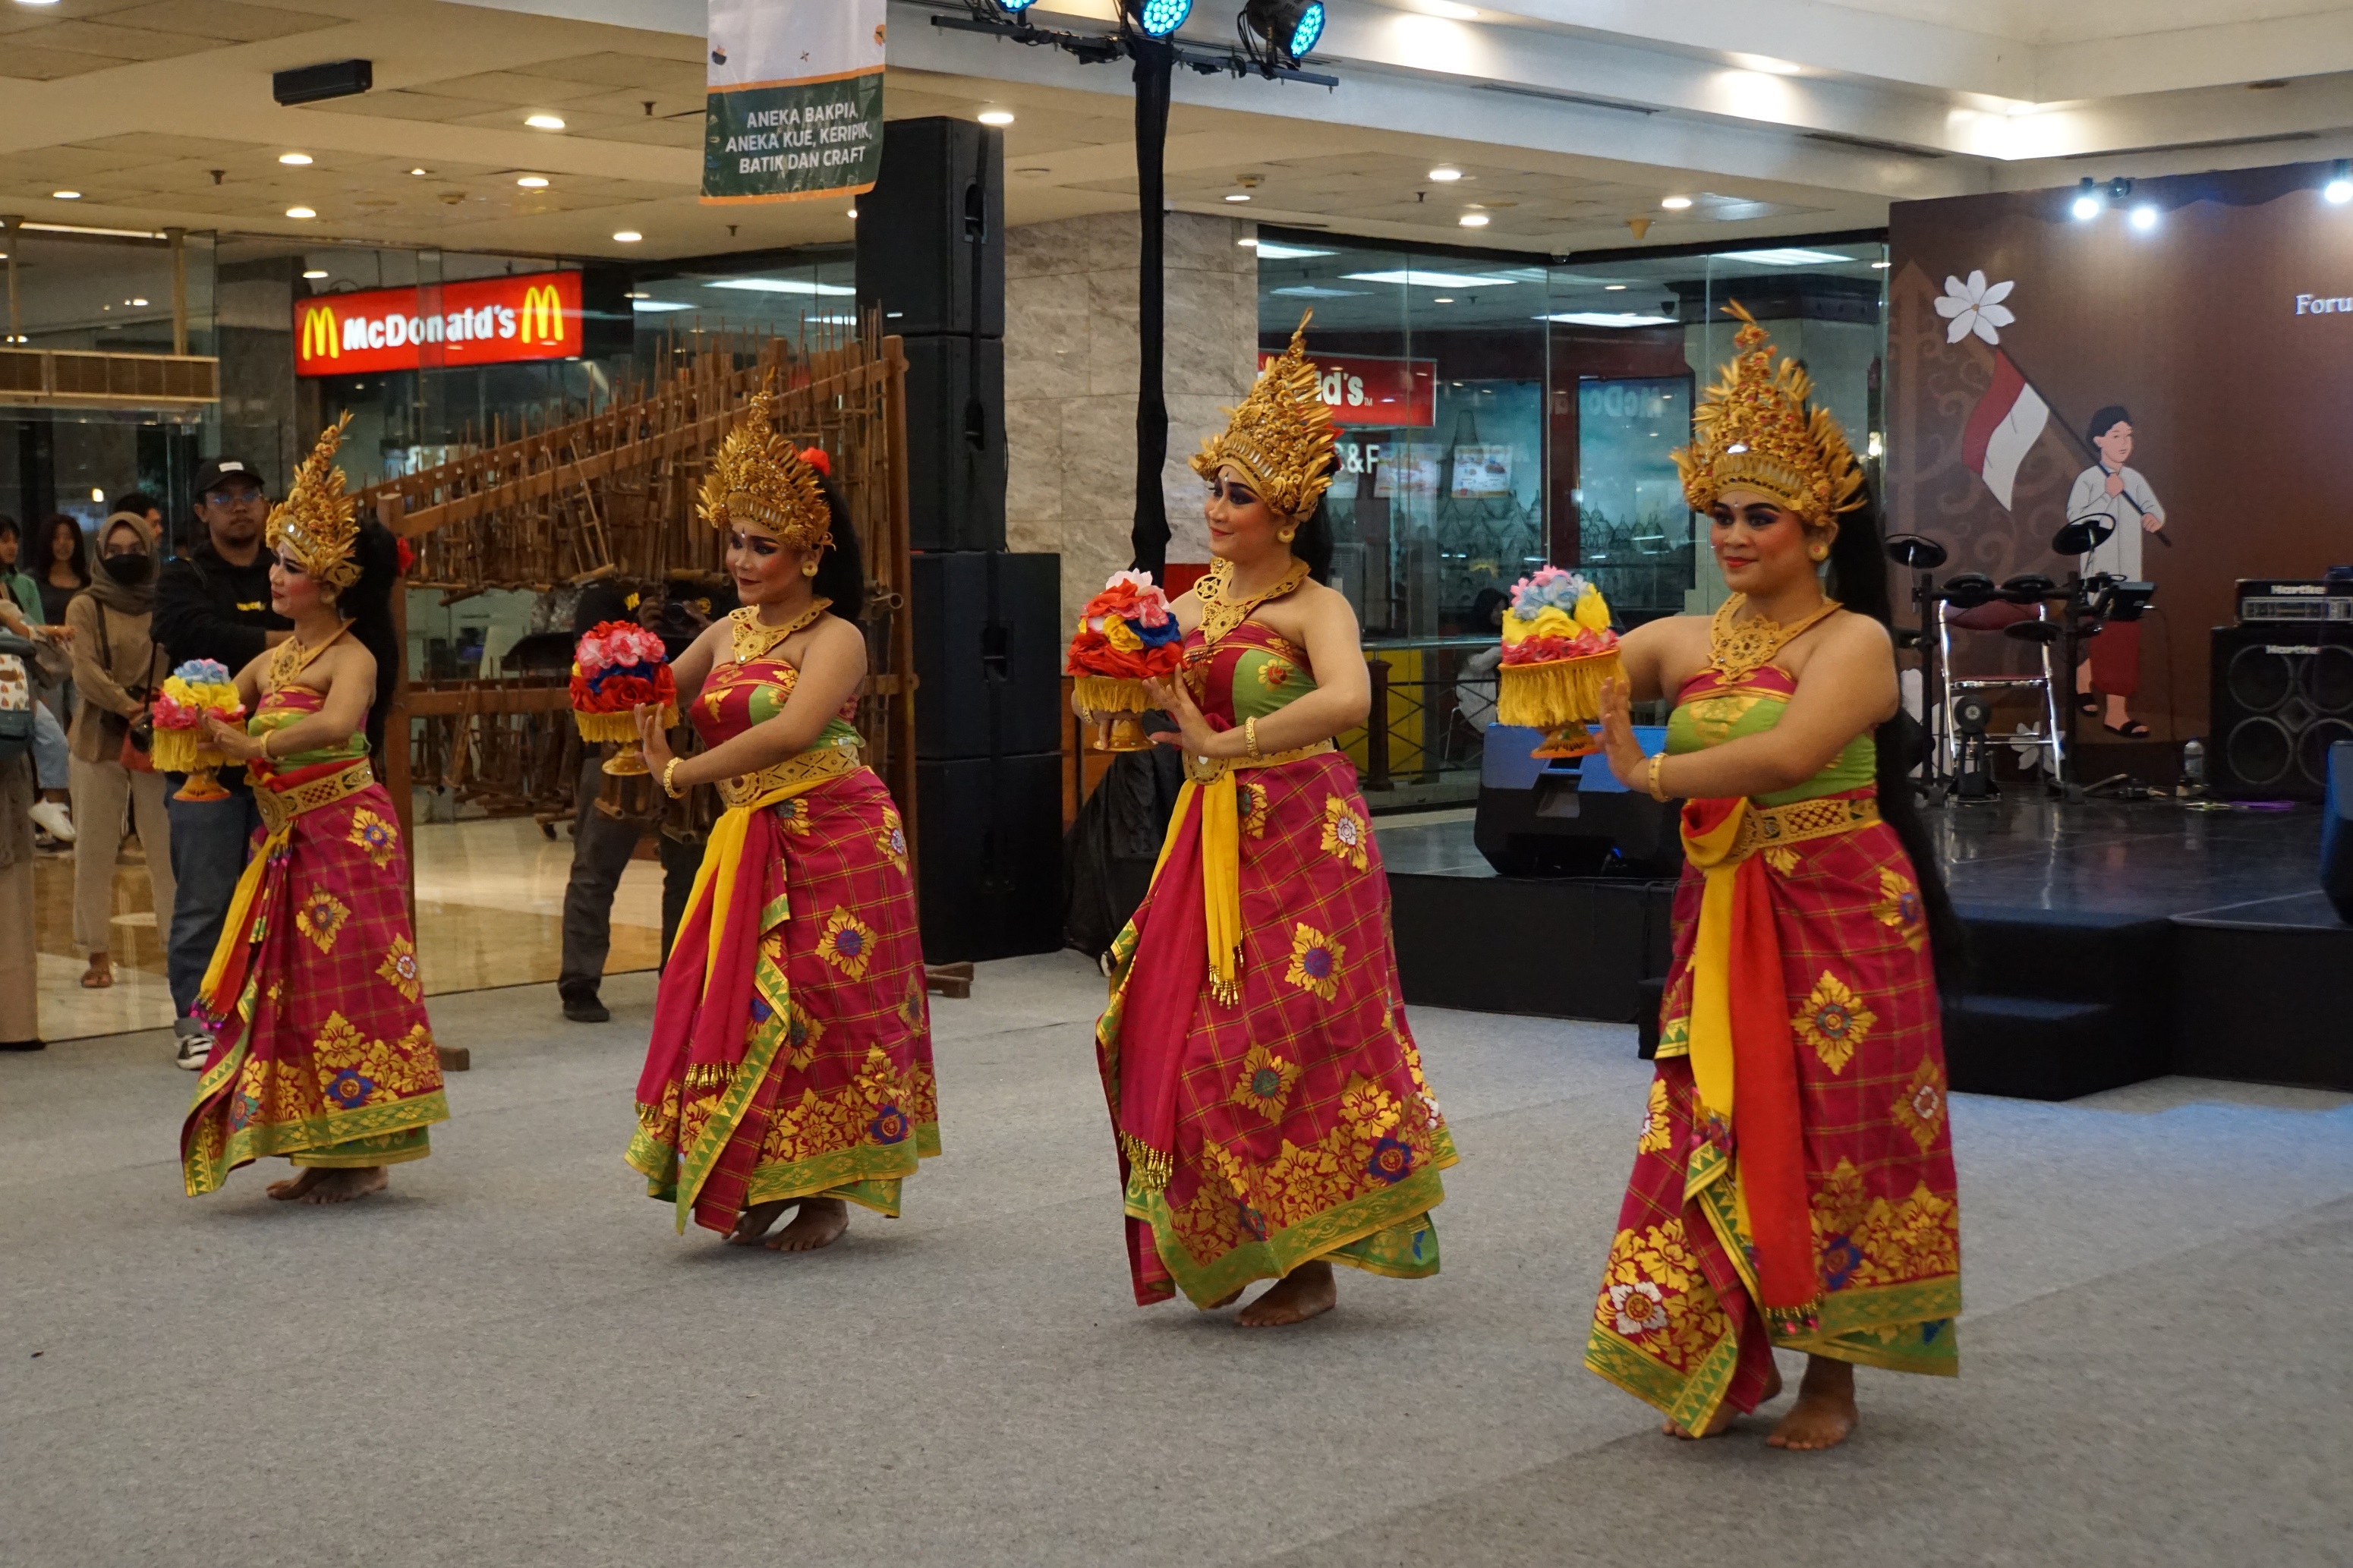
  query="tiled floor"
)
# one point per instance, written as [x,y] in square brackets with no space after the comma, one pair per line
[490,902]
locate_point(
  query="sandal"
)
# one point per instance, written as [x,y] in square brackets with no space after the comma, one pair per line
[2087,704]
[2131,730]
[99,975]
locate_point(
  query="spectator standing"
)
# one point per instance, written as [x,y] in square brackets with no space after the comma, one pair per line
[213,603]
[60,567]
[21,588]
[28,602]
[115,669]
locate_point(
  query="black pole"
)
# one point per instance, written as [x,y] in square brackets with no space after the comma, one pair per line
[1155,60]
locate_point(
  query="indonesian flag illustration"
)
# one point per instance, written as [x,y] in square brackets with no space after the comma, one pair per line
[2011,416]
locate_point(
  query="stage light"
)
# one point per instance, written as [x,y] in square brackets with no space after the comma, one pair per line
[1015,6]
[543,121]
[1291,27]
[2087,201]
[299,212]
[1156,18]
[1474,220]
[2144,217]
[2339,188]
[628,237]
[533,181]
[67,196]
[314,273]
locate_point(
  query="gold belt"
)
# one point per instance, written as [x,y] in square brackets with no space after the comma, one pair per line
[280,807]
[823,763]
[1764,826]
[1209,769]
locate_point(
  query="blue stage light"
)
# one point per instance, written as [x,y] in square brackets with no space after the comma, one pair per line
[1158,18]
[1308,30]
[1015,6]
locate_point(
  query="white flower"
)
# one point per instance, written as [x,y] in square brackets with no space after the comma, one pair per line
[1975,306]
[1641,1306]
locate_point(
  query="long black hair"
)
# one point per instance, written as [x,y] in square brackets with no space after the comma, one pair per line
[1312,542]
[1859,580]
[45,551]
[368,604]
[841,570]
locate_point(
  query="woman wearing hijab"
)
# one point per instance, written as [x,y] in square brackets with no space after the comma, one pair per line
[114,661]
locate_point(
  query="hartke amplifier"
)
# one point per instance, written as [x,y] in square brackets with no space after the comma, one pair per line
[2281,695]
[989,835]
[2294,601]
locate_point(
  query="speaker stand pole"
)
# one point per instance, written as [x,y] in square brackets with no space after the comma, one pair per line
[2071,785]
[1156,60]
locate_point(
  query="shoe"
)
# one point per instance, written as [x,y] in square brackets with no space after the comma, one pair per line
[24,1044]
[587,1010]
[194,1050]
[52,815]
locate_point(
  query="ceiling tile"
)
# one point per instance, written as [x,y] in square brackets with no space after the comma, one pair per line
[223,19]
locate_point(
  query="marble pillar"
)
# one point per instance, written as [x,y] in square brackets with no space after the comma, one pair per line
[1070,381]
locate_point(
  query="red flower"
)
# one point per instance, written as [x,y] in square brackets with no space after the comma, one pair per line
[407,554]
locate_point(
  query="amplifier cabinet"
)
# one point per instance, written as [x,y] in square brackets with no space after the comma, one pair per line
[2282,695]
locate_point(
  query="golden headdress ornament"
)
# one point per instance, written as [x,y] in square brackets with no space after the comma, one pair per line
[1758,428]
[317,525]
[759,478]
[1280,437]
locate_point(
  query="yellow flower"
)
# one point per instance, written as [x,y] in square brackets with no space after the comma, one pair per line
[892,839]
[1315,962]
[1255,803]
[1920,1109]
[802,1033]
[373,834]
[1899,907]
[1658,1125]
[848,943]
[1833,1021]
[1369,1109]
[321,917]
[1345,833]
[1265,1082]
[1781,858]
[1275,673]
[399,969]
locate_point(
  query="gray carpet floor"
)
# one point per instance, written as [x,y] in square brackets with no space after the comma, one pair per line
[511,1359]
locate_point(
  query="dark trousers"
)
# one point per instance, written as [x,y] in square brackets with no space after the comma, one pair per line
[601,848]
[210,839]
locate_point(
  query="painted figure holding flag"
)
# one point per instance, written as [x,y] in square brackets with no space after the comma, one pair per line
[2115,497]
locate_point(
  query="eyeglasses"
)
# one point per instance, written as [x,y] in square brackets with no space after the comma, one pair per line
[232,496]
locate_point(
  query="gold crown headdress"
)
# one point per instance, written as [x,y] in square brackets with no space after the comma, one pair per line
[1280,437]
[758,477]
[316,526]
[1757,428]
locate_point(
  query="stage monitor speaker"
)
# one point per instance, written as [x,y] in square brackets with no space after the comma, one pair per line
[2281,697]
[1569,817]
[989,839]
[933,228]
[2337,832]
[956,443]
[989,654]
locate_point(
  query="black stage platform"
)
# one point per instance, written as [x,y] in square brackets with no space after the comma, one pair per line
[2111,943]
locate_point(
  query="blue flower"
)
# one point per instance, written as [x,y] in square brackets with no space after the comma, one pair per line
[349,1088]
[1840,1258]
[1167,632]
[1391,1160]
[761,1010]
[889,1126]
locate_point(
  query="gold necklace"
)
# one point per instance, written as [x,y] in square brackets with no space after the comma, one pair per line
[748,639]
[292,658]
[1737,651]
[1220,615]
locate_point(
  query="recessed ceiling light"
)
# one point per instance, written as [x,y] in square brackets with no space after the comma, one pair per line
[532,182]
[1420,280]
[420,171]
[314,273]
[1676,203]
[780,285]
[1444,176]
[1608,318]
[1881,265]
[67,196]
[1613,288]
[1787,256]
[1474,220]
[1248,242]
[543,121]
[995,117]
[1443,299]
[134,302]
[628,236]
[299,212]
[1237,197]
[296,159]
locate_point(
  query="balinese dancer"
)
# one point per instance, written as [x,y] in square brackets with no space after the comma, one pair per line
[1267,1096]
[1793,1182]
[791,1059]
[321,1049]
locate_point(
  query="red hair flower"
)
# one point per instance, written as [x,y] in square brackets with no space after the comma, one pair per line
[814,457]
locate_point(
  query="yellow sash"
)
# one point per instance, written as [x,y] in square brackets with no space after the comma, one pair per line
[723,854]
[1221,856]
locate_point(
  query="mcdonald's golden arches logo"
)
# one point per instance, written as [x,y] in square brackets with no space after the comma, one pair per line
[320,338]
[543,314]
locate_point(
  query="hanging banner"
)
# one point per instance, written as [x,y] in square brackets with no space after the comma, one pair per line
[794,101]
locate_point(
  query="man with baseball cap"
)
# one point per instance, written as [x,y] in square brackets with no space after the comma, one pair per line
[213,601]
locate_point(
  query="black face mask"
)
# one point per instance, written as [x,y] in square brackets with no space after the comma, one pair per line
[128,570]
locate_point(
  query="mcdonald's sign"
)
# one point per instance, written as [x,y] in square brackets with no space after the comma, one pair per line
[480,321]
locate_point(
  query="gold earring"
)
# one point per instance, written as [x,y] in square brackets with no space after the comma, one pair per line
[808,568]
[1819,552]
[1288,535]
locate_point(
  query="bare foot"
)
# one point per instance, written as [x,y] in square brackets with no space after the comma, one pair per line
[1307,1291]
[297,1184]
[1726,1415]
[754,1221]
[343,1186]
[1825,1411]
[101,973]
[820,1223]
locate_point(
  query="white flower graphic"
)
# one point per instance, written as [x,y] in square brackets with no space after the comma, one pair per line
[1641,1306]
[1975,306]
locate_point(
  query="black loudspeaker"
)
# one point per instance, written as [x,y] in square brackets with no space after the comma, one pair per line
[2337,832]
[989,654]
[956,443]
[2281,697]
[989,839]
[931,233]
[1568,818]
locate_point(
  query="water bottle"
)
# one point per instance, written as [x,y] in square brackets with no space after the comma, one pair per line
[2193,765]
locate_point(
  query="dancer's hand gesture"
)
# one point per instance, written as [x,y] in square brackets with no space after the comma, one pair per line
[1193,731]
[652,739]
